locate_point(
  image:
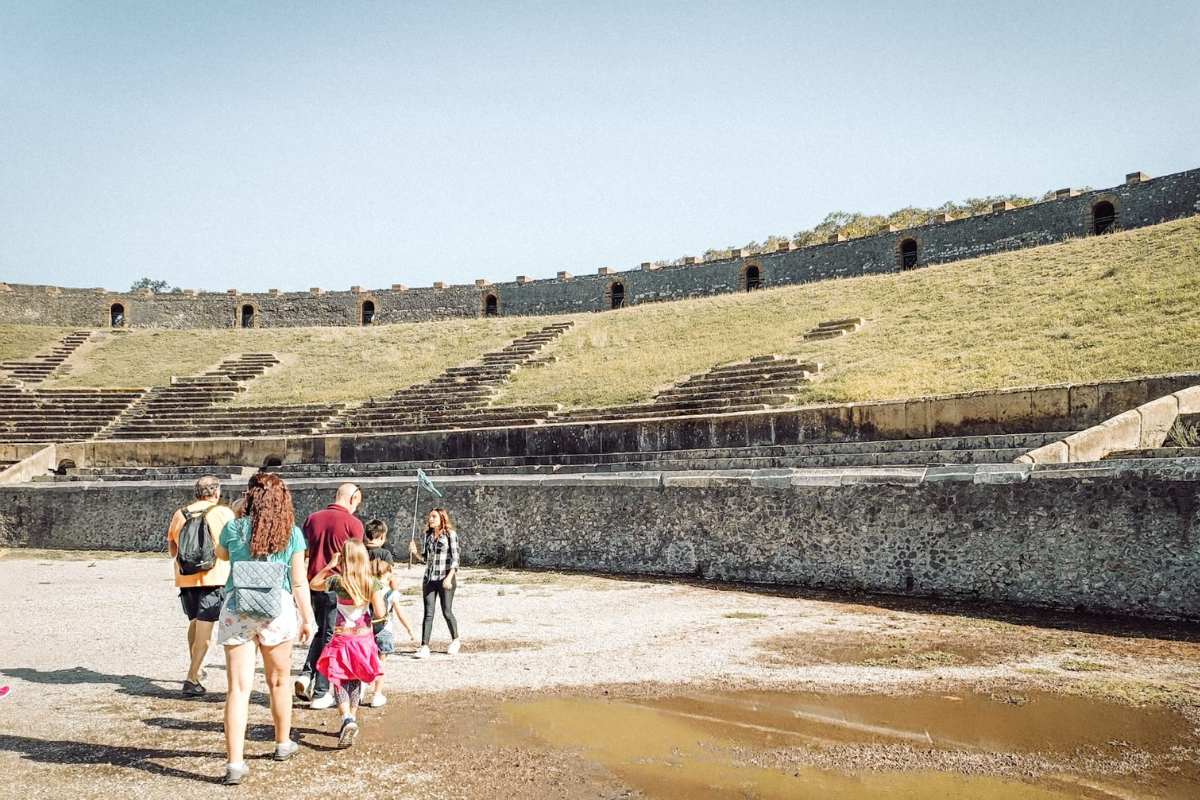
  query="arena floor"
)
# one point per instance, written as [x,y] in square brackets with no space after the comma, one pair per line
[587,687]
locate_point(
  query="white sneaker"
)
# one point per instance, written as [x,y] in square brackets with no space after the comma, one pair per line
[423,652]
[379,700]
[324,701]
[453,648]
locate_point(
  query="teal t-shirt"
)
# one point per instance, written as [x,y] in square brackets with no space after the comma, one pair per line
[236,539]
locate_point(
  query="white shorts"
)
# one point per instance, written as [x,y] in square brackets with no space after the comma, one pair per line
[235,628]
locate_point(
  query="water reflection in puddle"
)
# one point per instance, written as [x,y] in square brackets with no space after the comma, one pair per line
[709,745]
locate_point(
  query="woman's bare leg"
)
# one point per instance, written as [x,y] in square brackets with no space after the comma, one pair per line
[277,662]
[239,667]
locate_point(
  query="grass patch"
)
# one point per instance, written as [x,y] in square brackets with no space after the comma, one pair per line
[319,365]
[744,615]
[1089,309]
[1080,665]
[23,341]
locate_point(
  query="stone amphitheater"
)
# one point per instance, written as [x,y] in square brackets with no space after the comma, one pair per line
[1065,496]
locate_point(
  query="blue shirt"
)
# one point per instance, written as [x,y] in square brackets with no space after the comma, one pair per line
[236,539]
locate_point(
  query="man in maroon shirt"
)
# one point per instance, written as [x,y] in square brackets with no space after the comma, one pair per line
[326,532]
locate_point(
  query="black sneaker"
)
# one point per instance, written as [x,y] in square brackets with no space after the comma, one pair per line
[192,689]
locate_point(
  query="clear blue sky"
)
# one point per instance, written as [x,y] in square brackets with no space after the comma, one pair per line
[256,145]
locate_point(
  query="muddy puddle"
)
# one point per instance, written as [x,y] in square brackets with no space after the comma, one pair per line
[1004,746]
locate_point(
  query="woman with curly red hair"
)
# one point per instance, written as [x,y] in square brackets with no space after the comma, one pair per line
[267,533]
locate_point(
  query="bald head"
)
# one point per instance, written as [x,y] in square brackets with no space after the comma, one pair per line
[348,495]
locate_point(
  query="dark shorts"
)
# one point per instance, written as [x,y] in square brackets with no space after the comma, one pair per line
[202,602]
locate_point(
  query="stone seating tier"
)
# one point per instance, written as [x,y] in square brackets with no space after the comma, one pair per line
[42,366]
[950,450]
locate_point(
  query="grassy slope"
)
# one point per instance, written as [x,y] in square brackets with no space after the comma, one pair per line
[23,341]
[319,364]
[1106,307]
[1094,308]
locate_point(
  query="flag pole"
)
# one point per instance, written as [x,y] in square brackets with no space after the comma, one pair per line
[412,537]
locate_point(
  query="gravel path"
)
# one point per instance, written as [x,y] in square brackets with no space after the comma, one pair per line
[93,647]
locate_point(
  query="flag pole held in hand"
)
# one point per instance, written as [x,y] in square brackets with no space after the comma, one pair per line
[423,482]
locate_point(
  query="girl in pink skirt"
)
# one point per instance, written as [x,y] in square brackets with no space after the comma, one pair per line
[351,659]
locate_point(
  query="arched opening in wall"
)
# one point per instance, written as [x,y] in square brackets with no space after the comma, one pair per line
[270,462]
[247,316]
[491,306]
[753,278]
[908,254]
[63,466]
[1104,218]
[616,295]
[366,314]
[116,315]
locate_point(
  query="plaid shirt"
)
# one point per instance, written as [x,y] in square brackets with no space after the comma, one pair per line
[441,555]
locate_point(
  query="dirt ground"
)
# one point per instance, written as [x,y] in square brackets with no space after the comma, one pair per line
[579,686]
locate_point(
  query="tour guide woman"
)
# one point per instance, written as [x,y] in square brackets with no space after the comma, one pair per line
[440,556]
[266,534]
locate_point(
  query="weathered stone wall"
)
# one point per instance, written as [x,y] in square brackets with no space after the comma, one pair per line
[1113,538]
[1137,203]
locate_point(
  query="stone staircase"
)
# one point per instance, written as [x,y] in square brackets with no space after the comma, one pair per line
[834,328]
[755,385]
[44,365]
[460,397]
[200,407]
[59,415]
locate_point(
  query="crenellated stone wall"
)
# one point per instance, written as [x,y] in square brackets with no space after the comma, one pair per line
[1139,202]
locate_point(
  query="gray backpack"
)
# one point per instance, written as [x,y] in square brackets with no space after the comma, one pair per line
[257,587]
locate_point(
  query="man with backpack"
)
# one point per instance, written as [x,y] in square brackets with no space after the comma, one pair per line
[200,576]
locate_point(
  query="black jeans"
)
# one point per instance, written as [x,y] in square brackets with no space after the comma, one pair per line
[325,610]
[435,591]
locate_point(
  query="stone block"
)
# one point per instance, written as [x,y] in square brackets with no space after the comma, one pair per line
[900,476]
[943,217]
[1002,473]
[481,282]
[1003,205]
[439,284]
[834,238]
[1084,400]
[317,291]
[1118,396]
[604,271]
[1064,193]
[817,477]
[522,279]
[1134,178]
[1122,432]
[1050,406]
[1188,400]
[563,275]
[1053,453]
[879,420]
[1157,418]
[399,287]
[916,419]
[690,261]
[965,413]
[355,289]
[738,252]
[648,266]
[961,473]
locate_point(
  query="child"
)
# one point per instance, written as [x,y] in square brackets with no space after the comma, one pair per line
[375,538]
[351,658]
[384,637]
